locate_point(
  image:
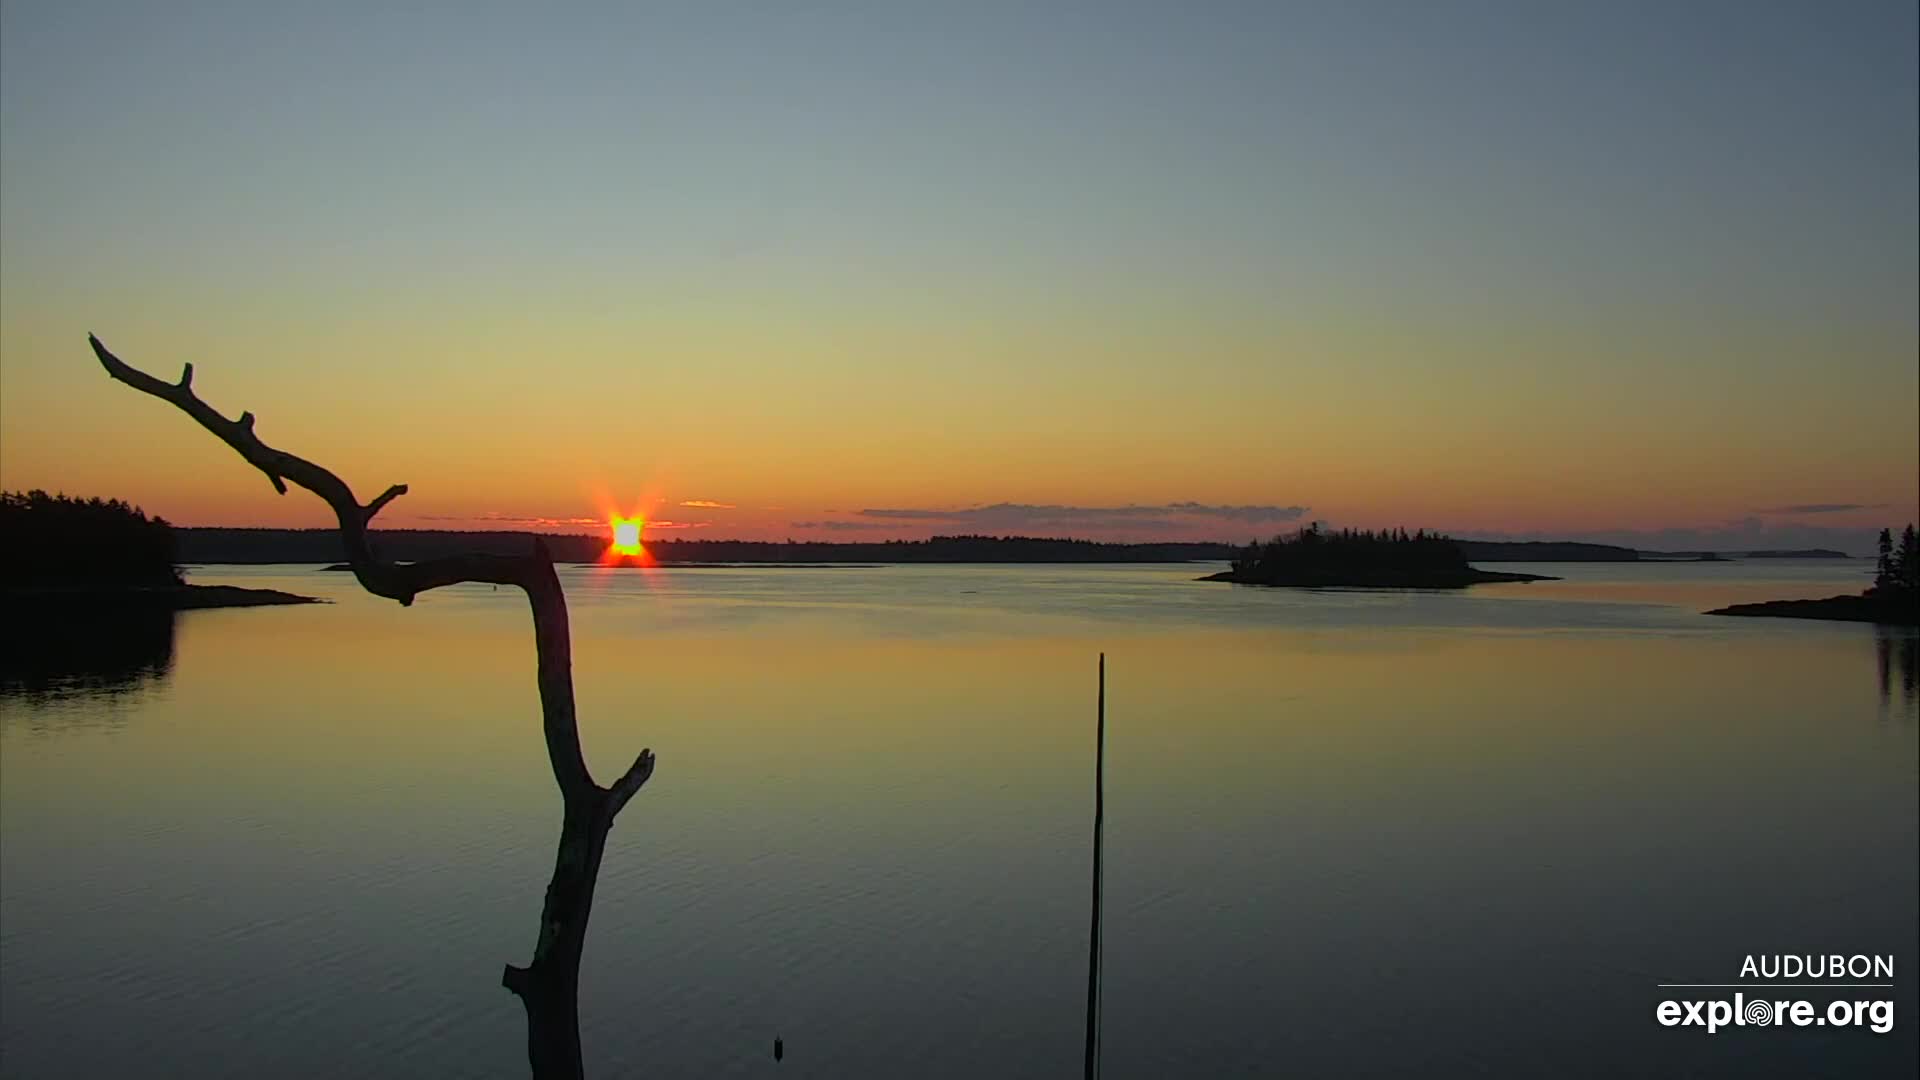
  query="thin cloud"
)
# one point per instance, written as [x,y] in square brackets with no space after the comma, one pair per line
[1819,508]
[707,504]
[496,518]
[845,526]
[1240,513]
[1027,515]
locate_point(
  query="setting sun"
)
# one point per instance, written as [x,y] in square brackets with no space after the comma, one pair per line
[626,535]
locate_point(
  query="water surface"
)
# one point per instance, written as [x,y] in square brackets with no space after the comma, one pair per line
[1349,833]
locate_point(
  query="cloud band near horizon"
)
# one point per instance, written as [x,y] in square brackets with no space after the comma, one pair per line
[1819,508]
[1029,515]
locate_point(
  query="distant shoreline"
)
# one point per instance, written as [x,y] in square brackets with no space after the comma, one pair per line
[737,565]
[1450,580]
[323,546]
[336,567]
[254,546]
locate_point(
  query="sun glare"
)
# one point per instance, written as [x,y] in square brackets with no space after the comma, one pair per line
[626,536]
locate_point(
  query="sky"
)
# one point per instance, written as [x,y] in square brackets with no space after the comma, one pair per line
[1130,271]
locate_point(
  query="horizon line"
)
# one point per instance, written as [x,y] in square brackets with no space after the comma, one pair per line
[848,541]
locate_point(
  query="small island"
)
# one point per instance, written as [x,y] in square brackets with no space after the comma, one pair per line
[1389,559]
[100,555]
[1893,599]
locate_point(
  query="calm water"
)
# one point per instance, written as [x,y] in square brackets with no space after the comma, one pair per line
[1349,833]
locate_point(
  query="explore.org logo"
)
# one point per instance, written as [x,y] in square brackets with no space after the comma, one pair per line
[1831,972]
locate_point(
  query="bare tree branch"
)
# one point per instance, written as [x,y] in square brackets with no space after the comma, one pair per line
[549,985]
[624,788]
[386,497]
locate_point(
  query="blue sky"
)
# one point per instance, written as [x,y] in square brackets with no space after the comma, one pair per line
[957,255]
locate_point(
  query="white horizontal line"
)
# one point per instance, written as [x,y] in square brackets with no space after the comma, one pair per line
[1833,986]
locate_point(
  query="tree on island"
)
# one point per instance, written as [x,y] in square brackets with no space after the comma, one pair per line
[549,985]
[61,540]
[1311,554]
[1389,558]
[1897,575]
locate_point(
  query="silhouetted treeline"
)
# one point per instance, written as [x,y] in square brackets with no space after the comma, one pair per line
[212,545]
[406,545]
[1391,557]
[199,545]
[1897,574]
[59,540]
[938,549]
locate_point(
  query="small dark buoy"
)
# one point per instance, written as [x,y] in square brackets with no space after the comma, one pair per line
[779,1048]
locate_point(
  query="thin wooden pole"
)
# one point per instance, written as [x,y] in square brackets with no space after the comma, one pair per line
[1099,815]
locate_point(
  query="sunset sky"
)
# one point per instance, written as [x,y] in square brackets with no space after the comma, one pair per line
[1606,270]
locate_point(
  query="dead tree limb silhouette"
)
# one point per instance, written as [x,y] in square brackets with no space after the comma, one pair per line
[549,985]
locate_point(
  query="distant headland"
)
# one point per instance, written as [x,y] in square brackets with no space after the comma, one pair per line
[1543,551]
[1392,559]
